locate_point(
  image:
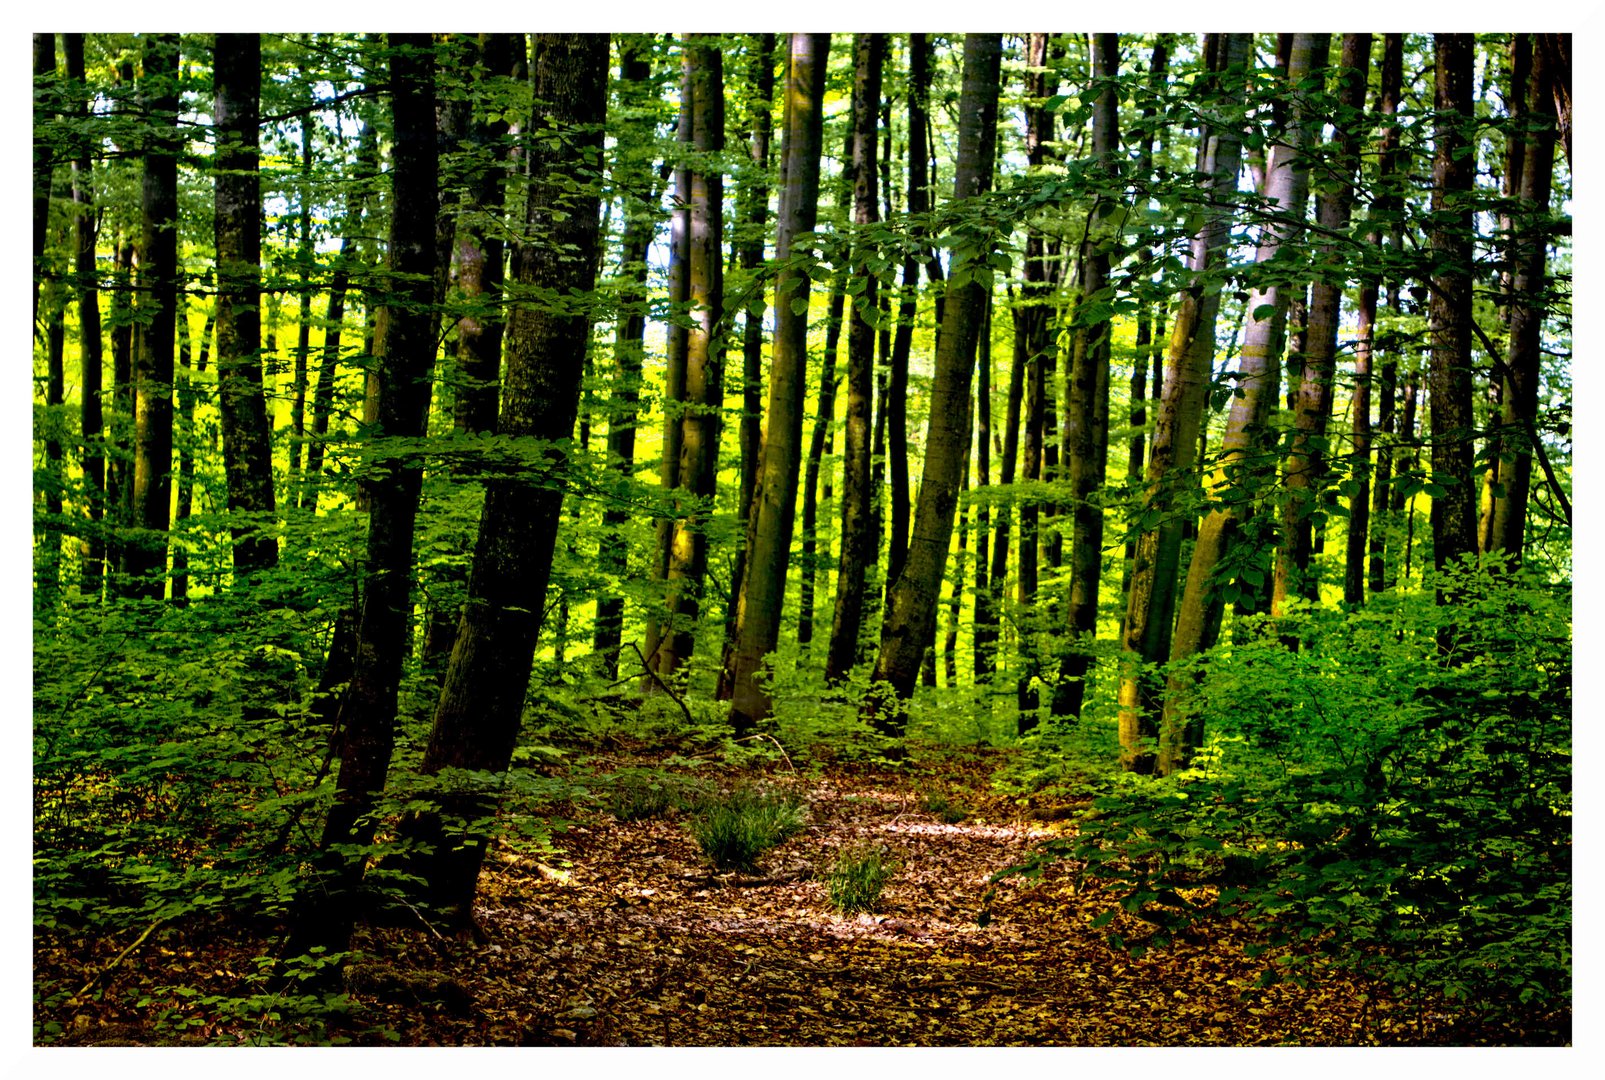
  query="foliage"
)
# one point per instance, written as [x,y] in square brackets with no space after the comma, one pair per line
[1373,800]
[736,827]
[949,810]
[857,878]
[642,794]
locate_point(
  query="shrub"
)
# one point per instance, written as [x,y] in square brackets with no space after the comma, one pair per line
[857,878]
[735,828]
[638,796]
[951,813]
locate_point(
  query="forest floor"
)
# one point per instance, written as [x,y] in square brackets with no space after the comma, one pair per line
[623,935]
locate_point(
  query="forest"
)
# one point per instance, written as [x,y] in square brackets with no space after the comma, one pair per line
[862,539]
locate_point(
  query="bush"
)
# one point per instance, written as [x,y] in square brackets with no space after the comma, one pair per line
[735,828]
[857,878]
[951,813]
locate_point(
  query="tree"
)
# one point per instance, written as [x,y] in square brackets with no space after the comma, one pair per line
[1239,472]
[1386,204]
[404,353]
[1087,422]
[704,377]
[857,541]
[1151,601]
[910,616]
[1454,497]
[1304,471]
[248,462]
[152,484]
[481,703]
[768,543]
[92,362]
[1520,377]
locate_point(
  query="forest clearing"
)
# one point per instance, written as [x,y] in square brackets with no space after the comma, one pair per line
[580,539]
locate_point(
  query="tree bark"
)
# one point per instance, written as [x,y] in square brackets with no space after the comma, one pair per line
[1152,599]
[247,456]
[1454,503]
[1382,518]
[857,540]
[704,383]
[1305,469]
[911,612]
[90,350]
[1088,421]
[1239,472]
[152,488]
[477,720]
[633,175]
[1530,247]
[404,353]
[769,528]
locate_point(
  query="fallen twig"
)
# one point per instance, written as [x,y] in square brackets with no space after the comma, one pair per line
[109,968]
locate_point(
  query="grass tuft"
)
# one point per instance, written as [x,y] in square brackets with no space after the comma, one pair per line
[736,827]
[857,878]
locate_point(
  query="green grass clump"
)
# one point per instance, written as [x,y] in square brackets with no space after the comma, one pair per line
[857,878]
[638,796]
[736,827]
[945,808]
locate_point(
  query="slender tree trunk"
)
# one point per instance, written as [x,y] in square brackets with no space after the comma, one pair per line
[753,199]
[477,720]
[306,256]
[763,583]
[91,356]
[1237,475]
[633,175]
[247,456]
[818,448]
[1152,599]
[984,639]
[857,539]
[674,377]
[1032,337]
[44,94]
[987,649]
[1088,420]
[120,436]
[185,425]
[334,316]
[1454,502]
[911,611]
[405,351]
[704,385]
[1381,518]
[152,490]
[1519,391]
[1304,471]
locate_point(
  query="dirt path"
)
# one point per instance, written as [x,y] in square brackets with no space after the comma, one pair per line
[626,938]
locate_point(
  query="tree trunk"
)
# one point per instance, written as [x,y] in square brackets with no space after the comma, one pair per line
[769,528]
[753,211]
[857,539]
[1530,242]
[1088,421]
[1381,518]
[704,384]
[911,611]
[44,94]
[1152,599]
[1305,469]
[247,457]
[404,356]
[677,340]
[152,490]
[1454,498]
[633,175]
[91,357]
[1239,474]
[984,638]
[477,720]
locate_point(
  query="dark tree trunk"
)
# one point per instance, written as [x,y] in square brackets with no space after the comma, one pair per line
[769,528]
[1382,518]
[404,356]
[1151,602]
[44,95]
[1454,504]
[704,383]
[633,175]
[1519,391]
[753,202]
[247,457]
[477,720]
[1088,422]
[857,539]
[911,611]
[152,487]
[91,357]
